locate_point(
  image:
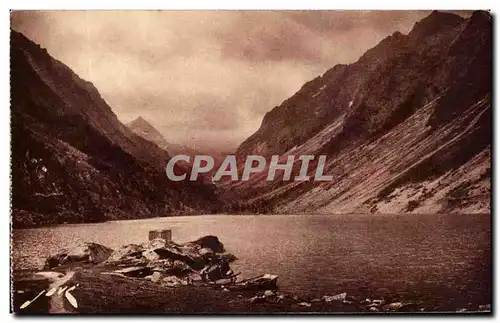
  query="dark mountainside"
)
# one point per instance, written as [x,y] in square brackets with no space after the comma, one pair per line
[407,128]
[72,159]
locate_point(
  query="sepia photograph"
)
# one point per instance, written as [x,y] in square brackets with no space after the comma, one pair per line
[251,161]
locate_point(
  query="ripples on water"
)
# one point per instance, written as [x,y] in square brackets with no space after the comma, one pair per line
[426,256]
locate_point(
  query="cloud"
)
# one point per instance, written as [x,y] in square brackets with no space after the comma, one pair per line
[205,78]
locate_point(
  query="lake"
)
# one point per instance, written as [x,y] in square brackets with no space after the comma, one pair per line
[441,259]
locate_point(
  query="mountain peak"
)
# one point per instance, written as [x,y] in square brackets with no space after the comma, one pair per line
[146,130]
[139,120]
[434,23]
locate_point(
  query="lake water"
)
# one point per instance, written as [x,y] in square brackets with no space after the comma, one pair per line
[433,258]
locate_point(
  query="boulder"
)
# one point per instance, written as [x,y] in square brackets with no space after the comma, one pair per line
[124,252]
[211,242]
[156,243]
[86,252]
[150,255]
[229,257]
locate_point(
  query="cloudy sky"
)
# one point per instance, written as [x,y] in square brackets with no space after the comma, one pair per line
[205,78]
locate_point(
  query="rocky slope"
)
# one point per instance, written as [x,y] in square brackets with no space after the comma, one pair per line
[73,161]
[406,128]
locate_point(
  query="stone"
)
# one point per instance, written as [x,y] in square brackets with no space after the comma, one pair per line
[211,242]
[206,252]
[156,277]
[373,309]
[315,300]
[130,250]
[173,281]
[269,293]
[156,244]
[461,310]
[484,308]
[88,252]
[393,306]
[305,304]
[150,255]
[339,297]
[229,257]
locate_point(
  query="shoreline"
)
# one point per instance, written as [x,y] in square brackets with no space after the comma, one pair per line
[55,225]
[97,293]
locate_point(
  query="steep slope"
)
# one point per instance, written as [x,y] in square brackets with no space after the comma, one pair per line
[146,130]
[407,128]
[73,161]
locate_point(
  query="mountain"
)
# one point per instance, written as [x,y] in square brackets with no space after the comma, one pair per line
[74,161]
[143,128]
[146,130]
[406,128]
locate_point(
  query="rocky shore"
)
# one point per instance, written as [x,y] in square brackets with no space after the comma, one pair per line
[161,276]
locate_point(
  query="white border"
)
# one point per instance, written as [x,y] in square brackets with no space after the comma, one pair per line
[185,4]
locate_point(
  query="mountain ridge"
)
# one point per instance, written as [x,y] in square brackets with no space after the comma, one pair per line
[439,72]
[74,161]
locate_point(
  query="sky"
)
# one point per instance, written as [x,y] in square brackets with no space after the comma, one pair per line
[205,78]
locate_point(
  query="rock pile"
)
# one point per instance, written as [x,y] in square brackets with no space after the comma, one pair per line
[158,260]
